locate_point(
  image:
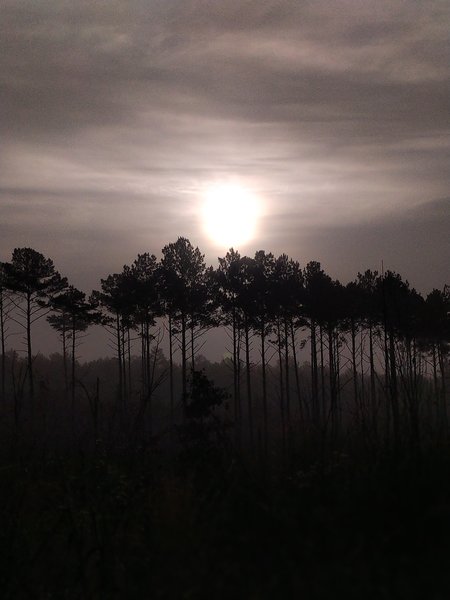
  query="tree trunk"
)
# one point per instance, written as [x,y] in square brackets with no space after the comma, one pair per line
[172,416]
[119,357]
[373,399]
[235,376]
[286,377]
[264,386]
[354,368]
[297,376]
[249,383]
[64,345]
[437,395]
[362,389]
[394,392]
[314,376]
[192,349]
[281,385]
[29,353]
[238,377]
[443,398]
[143,362]
[73,366]
[2,348]
[333,407]
[322,407]
[149,390]
[147,362]
[129,361]
[387,395]
[183,365]
[415,396]
[337,378]
[124,370]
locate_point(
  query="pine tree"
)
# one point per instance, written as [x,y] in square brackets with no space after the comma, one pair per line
[33,280]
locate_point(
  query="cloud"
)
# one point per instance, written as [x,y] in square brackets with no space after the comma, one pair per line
[414,243]
[72,66]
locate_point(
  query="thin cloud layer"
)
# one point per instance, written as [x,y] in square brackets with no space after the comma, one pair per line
[116,114]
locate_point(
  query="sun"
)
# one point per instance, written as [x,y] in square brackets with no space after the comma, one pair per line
[230,214]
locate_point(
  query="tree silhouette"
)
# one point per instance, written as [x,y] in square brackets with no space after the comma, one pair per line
[394,300]
[5,310]
[317,284]
[227,290]
[184,293]
[262,315]
[203,432]
[114,298]
[142,281]
[235,288]
[247,307]
[370,319]
[378,349]
[287,294]
[437,336]
[34,281]
[73,315]
[60,322]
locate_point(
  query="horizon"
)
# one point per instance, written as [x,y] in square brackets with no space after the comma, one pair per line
[95,343]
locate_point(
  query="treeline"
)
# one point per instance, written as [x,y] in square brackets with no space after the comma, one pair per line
[378,349]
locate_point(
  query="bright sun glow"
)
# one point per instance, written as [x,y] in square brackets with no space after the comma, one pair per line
[230,215]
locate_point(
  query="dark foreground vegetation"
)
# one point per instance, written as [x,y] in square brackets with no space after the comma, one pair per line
[106,511]
[263,476]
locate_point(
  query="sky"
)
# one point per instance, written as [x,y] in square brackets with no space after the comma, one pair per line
[116,115]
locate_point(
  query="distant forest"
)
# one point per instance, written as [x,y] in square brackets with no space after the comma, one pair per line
[378,350]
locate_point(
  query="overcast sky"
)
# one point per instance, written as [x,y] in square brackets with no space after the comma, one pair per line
[116,114]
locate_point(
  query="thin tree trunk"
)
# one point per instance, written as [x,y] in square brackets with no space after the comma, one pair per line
[333,407]
[64,345]
[286,375]
[443,400]
[249,383]
[387,384]
[119,356]
[362,389]
[373,399]
[394,392]
[323,407]
[129,361]
[183,364]
[124,364]
[238,375]
[147,362]
[192,349]
[235,384]
[29,353]
[264,386]
[172,416]
[281,385]
[354,367]
[2,334]
[296,371]
[314,376]
[73,365]
[143,361]
[337,377]
[437,395]
[415,396]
